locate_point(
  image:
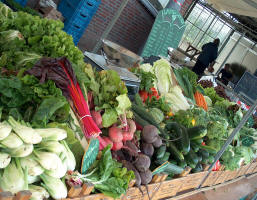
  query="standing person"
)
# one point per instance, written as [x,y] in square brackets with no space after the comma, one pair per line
[207,57]
[226,75]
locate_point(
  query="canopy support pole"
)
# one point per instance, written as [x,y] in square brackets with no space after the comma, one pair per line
[229,140]
[110,26]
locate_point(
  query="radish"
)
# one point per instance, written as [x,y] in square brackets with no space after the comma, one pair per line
[127,136]
[102,143]
[108,141]
[115,134]
[117,146]
[97,118]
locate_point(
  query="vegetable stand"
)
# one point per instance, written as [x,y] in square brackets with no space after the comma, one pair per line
[70,131]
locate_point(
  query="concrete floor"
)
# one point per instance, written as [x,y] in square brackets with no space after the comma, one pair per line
[233,190]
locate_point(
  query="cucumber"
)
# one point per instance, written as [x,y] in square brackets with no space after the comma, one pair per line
[197,141]
[195,147]
[205,161]
[211,159]
[142,112]
[192,165]
[184,141]
[160,152]
[138,100]
[198,168]
[174,151]
[197,132]
[166,156]
[200,157]
[182,164]
[204,153]
[191,157]
[139,120]
[174,162]
[210,149]
[174,126]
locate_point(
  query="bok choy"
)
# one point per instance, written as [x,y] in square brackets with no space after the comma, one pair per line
[5,130]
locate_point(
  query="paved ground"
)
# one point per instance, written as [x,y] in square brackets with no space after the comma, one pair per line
[233,190]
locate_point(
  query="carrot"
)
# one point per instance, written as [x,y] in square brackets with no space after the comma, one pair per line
[200,100]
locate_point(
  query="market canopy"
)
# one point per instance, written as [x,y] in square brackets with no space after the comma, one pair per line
[240,7]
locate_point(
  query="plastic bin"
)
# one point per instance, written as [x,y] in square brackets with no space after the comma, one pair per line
[77,14]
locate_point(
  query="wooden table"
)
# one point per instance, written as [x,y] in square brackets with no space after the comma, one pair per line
[194,51]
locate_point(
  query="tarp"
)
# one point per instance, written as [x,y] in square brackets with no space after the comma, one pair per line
[240,7]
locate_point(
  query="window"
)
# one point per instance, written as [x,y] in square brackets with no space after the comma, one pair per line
[202,26]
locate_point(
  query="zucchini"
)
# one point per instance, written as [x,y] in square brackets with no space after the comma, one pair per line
[174,151]
[200,157]
[174,162]
[138,100]
[192,157]
[174,126]
[184,141]
[139,120]
[160,152]
[173,169]
[210,149]
[205,161]
[192,165]
[198,168]
[197,132]
[142,112]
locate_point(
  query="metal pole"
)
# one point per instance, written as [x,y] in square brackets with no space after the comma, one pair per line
[190,9]
[110,26]
[229,140]
[231,51]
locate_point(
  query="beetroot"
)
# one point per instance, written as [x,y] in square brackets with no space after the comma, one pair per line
[117,146]
[147,149]
[108,141]
[149,134]
[129,166]
[142,163]
[146,177]
[158,142]
[115,134]
[132,126]
[97,118]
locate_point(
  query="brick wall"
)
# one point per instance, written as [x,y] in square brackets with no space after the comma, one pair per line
[131,30]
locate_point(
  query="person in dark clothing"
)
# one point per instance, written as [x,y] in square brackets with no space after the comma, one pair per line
[207,57]
[226,75]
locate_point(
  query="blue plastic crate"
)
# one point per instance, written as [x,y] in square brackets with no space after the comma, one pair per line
[22,2]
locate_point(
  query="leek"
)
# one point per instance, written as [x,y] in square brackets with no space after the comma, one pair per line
[27,134]
[22,151]
[38,193]
[56,188]
[5,130]
[55,134]
[5,159]
[11,141]
[34,168]
[13,178]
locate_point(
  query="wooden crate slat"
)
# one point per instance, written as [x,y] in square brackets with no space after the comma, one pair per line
[221,177]
[191,181]
[251,169]
[211,179]
[243,170]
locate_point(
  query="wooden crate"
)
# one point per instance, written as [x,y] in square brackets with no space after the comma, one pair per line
[186,171]
[251,168]
[211,179]
[231,175]
[242,170]
[23,195]
[191,181]
[222,175]
[255,169]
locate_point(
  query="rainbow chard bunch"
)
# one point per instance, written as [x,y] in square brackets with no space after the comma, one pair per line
[61,72]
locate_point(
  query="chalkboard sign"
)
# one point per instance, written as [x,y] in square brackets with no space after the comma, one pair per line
[247,85]
[167,31]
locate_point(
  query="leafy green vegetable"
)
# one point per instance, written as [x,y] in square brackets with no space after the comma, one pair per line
[210,92]
[184,117]
[109,117]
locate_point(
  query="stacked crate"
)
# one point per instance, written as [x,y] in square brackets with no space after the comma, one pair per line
[77,14]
